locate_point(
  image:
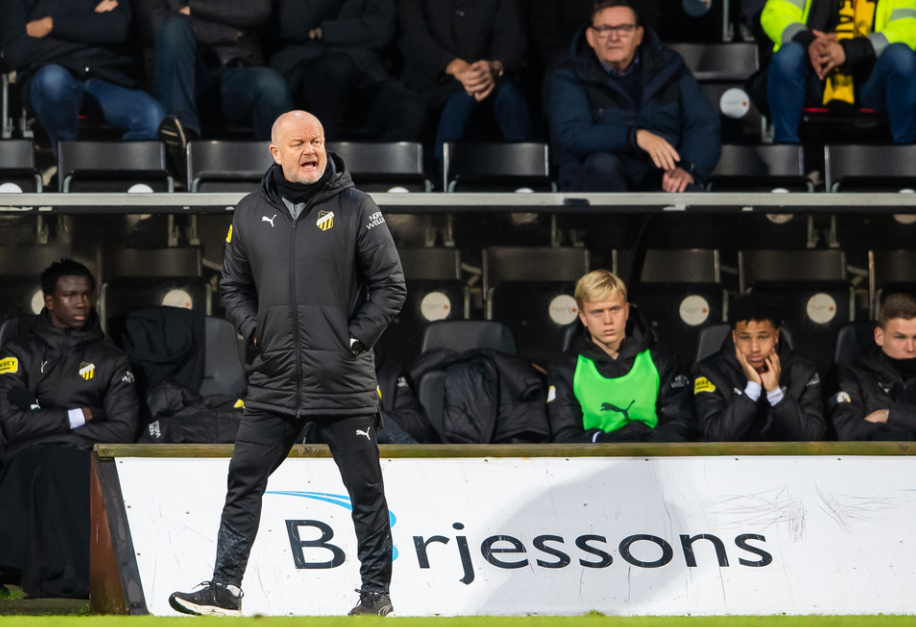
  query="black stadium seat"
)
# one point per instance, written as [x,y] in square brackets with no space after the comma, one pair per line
[380,166]
[531,290]
[722,70]
[853,341]
[810,290]
[84,166]
[760,169]
[462,335]
[14,327]
[140,278]
[496,167]
[681,293]
[227,166]
[852,168]
[434,292]
[890,272]
[17,165]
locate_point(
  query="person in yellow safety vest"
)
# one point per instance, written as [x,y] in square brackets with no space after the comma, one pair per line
[856,52]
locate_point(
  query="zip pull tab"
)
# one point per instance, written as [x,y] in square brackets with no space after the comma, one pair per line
[43,364]
[298,414]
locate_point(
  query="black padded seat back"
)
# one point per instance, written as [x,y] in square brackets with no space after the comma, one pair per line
[870,168]
[227,166]
[531,290]
[434,292]
[183,261]
[680,294]
[889,272]
[496,166]
[462,335]
[224,372]
[379,166]
[712,337]
[16,327]
[790,266]
[719,62]
[17,165]
[760,168]
[853,341]
[112,166]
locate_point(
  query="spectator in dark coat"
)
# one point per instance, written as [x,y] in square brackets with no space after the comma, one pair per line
[207,47]
[627,113]
[65,50]
[459,56]
[331,56]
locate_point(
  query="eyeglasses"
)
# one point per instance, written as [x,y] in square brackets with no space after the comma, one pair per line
[623,30]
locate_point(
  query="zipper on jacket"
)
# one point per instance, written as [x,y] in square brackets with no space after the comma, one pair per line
[297,338]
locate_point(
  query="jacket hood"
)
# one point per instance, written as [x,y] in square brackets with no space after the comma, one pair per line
[638,338]
[654,58]
[339,181]
[53,336]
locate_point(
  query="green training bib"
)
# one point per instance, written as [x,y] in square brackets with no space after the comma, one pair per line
[609,404]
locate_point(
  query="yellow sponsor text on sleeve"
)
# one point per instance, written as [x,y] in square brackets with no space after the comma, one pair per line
[702,384]
[9,365]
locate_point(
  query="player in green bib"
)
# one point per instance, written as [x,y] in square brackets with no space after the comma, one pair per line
[616,383]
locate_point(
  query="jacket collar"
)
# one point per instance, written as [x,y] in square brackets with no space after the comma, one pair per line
[54,337]
[339,181]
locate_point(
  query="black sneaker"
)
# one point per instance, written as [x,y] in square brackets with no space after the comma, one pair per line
[211,600]
[374,603]
[175,137]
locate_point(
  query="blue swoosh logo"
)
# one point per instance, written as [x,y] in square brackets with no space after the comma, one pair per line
[341,500]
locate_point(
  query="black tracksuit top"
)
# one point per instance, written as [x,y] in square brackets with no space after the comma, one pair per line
[47,363]
[726,414]
[869,384]
[303,291]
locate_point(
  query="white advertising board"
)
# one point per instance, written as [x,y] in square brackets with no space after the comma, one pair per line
[557,536]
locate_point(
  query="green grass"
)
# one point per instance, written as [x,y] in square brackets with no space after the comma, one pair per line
[590,620]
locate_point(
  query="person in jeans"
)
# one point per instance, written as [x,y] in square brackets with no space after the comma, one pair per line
[64,51]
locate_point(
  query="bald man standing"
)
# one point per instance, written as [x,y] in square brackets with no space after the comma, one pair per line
[311,278]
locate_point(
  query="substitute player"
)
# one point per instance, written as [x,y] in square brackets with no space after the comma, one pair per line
[311,278]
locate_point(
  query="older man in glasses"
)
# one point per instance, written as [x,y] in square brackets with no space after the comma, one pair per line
[627,113]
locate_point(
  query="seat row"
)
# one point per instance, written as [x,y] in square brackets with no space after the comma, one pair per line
[230,166]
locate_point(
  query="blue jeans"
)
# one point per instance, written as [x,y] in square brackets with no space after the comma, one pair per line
[182,76]
[57,98]
[891,88]
[509,106]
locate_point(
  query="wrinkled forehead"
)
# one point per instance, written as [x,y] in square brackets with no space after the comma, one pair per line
[301,130]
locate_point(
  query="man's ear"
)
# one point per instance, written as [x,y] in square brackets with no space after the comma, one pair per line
[626,311]
[639,34]
[275,152]
[777,337]
[879,336]
[590,37]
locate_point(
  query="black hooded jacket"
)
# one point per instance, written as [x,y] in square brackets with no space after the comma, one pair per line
[674,407]
[869,384]
[303,288]
[726,414]
[48,363]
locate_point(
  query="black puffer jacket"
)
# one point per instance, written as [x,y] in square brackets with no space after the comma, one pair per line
[726,414]
[869,384]
[303,291]
[47,362]
[674,406]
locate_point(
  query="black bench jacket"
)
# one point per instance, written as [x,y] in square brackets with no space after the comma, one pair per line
[303,288]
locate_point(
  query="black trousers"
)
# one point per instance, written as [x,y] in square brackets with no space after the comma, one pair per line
[263,442]
[44,520]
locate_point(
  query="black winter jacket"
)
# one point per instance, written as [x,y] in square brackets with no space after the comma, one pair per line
[436,32]
[302,291]
[590,113]
[489,396]
[674,407]
[726,414]
[47,362]
[869,384]
[360,29]
[84,42]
